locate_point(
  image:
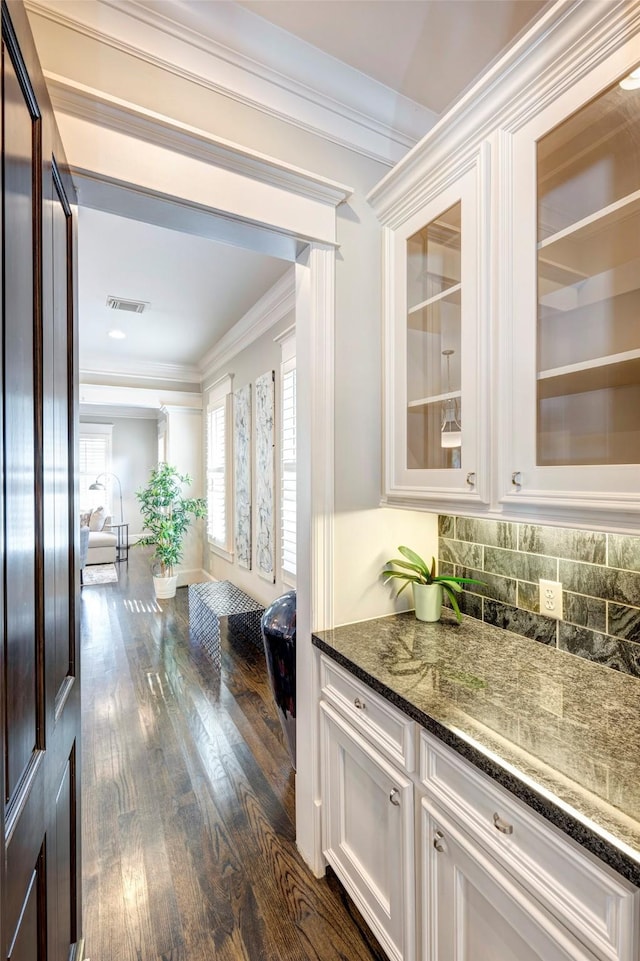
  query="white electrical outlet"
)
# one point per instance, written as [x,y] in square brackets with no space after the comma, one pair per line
[551,599]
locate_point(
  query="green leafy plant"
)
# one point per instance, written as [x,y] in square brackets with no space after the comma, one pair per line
[167,515]
[412,569]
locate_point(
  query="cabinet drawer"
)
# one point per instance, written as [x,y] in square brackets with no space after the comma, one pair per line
[390,730]
[599,906]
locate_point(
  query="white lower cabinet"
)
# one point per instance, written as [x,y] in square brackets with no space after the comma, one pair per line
[473,874]
[369,832]
[474,910]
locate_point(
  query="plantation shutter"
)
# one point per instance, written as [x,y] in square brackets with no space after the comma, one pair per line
[94,458]
[218,466]
[217,474]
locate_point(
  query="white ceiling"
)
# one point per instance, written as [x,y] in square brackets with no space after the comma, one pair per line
[196,290]
[428,50]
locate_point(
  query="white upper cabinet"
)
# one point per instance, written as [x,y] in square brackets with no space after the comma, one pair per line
[434,343]
[575,369]
[513,272]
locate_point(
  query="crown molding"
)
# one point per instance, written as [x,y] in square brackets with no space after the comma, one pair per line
[168,409]
[98,410]
[285,335]
[139,371]
[568,41]
[95,106]
[272,307]
[111,395]
[233,52]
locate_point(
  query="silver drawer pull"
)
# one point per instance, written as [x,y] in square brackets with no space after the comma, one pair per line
[359,704]
[438,842]
[516,478]
[471,478]
[501,825]
[394,797]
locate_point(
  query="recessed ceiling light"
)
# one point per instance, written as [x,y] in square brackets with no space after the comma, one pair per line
[117,334]
[632,82]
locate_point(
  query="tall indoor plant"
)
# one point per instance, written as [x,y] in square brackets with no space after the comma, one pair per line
[427,585]
[167,516]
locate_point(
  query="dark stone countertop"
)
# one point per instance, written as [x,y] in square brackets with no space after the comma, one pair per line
[558,731]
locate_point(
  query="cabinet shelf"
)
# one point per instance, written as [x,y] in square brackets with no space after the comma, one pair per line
[434,399]
[423,317]
[451,294]
[602,240]
[616,370]
[588,290]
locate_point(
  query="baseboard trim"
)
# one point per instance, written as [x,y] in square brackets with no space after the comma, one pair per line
[195,576]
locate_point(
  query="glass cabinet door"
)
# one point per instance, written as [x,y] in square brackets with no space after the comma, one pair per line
[434,343]
[588,329]
[437,347]
[572,413]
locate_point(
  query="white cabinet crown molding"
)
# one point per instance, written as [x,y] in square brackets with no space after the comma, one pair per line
[564,44]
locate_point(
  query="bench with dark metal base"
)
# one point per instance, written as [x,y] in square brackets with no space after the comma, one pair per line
[209,602]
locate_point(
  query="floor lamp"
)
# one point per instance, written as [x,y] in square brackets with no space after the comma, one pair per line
[97,486]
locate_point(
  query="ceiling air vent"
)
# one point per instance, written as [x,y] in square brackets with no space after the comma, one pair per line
[132,306]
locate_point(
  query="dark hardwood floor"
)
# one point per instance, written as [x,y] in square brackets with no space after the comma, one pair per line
[188,798]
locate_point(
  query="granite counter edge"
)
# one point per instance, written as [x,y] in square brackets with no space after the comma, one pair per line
[581,833]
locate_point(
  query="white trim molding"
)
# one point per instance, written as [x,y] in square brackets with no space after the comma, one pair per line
[315,323]
[111,396]
[86,103]
[138,371]
[236,54]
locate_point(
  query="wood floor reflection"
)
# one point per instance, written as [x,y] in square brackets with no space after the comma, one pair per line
[188,798]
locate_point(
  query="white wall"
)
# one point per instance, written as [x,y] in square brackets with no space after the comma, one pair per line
[262,355]
[183,437]
[134,448]
[358,332]
[364,541]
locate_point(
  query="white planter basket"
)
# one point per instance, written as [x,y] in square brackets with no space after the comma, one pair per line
[165,586]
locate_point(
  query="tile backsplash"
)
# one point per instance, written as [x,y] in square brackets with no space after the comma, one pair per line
[599,573]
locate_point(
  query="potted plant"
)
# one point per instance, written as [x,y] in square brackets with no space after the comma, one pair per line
[167,516]
[427,585]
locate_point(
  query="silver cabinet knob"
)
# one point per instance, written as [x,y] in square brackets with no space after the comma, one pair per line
[471,478]
[501,825]
[359,704]
[394,797]
[438,842]
[516,478]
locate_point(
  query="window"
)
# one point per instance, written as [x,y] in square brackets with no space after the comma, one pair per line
[94,459]
[288,463]
[218,467]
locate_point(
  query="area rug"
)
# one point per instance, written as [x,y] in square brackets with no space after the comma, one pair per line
[99,574]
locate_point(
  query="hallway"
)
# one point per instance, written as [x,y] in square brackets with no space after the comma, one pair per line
[188,798]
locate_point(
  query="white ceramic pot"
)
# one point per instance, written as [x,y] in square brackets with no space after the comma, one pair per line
[427,599]
[165,586]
